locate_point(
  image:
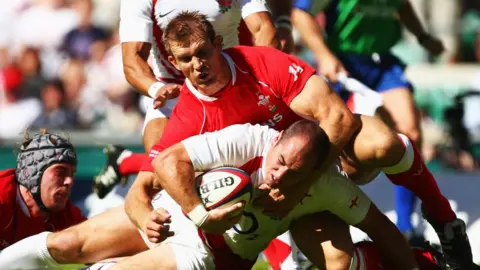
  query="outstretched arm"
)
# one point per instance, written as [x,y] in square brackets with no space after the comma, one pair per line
[319,102]
[136,37]
[409,18]
[311,34]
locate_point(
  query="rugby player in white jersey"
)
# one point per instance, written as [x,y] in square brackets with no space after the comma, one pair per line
[147,69]
[268,156]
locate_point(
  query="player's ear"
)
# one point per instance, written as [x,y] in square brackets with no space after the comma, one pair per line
[172,60]
[218,42]
[277,138]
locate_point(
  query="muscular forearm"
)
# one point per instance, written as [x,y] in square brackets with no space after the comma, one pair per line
[138,200]
[177,177]
[409,18]
[266,37]
[139,75]
[340,127]
[135,66]
[310,32]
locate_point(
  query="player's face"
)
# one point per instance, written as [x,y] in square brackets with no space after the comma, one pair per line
[200,61]
[288,163]
[56,184]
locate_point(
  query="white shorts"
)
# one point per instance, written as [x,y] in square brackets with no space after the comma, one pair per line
[146,103]
[190,251]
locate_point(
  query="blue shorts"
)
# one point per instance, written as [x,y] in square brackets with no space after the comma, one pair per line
[384,73]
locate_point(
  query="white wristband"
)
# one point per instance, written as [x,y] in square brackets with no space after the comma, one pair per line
[198,215]
[153,89]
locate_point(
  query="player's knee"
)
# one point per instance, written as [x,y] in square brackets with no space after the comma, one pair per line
[388,147]
[414,134]
[66,246]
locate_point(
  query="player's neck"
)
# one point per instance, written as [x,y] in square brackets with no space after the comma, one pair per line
[223,79]
[33,208]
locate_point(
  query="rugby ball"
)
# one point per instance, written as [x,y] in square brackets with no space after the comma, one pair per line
[223,187]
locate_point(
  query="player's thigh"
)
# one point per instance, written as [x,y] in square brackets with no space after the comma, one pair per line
[153,131]
[401,106]
[161,257]
[324,239]
[375,146]
[106,235]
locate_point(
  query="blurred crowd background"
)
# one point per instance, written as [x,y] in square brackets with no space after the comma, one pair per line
[61,69]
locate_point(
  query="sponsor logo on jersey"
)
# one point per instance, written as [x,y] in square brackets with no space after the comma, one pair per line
[165,14]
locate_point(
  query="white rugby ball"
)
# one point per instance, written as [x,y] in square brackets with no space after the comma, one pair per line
[223,187]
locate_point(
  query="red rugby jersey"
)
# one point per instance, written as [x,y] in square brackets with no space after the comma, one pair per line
[16,225]
[264,82]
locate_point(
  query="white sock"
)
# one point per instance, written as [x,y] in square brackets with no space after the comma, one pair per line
[29,253]
[407,160]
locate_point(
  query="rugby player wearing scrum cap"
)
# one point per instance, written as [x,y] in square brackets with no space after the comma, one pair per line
[35,196]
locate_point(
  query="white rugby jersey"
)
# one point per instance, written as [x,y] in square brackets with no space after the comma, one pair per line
[142,21]
[245,146]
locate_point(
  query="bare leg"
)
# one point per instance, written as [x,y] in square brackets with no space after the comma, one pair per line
[161,257]
[324,239]
[101,237]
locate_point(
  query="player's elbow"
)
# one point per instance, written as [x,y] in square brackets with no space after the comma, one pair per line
[266,35]
[162,160]
[348,122]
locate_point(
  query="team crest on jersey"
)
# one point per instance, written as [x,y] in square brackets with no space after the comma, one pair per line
[224,5]
[264,100]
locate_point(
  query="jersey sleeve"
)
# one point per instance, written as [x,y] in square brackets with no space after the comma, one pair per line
[136,21]
[285,75]
[343,197]
[232,146]
[248,7]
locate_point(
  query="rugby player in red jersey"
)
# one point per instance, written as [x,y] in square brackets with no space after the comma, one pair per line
[35,196]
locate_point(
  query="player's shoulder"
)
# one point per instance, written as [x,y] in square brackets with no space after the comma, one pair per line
[248,128]
[7,181]
[248,134]
[251,51]
[254,58]
[8,189]
[7,173]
